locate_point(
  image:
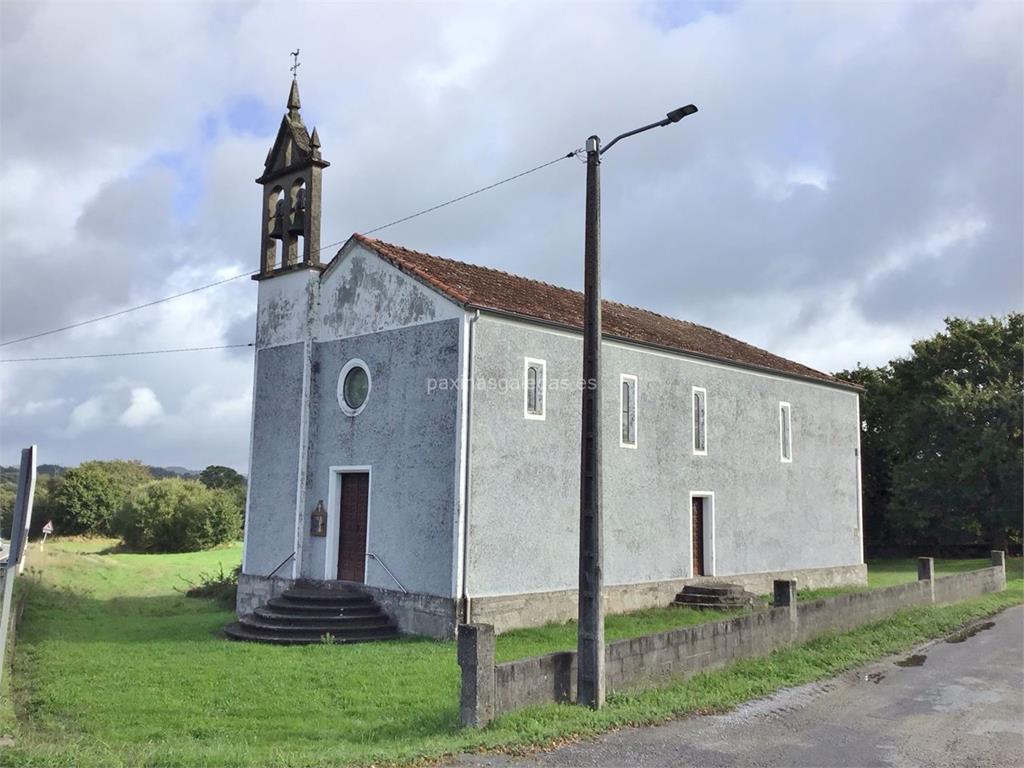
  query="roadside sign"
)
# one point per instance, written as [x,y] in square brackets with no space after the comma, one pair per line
[48,528]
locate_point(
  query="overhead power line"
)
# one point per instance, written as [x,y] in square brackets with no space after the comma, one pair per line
[124,354]
[474,192]
[120,312]
[137,307]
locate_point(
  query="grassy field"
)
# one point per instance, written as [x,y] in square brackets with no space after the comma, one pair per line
[115,667]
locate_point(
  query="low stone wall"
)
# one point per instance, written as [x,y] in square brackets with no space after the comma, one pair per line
[415,613]
[489,690]
[254,591]
[953,589]
[505,612]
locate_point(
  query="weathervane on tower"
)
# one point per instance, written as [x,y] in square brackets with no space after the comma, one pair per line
[295,64]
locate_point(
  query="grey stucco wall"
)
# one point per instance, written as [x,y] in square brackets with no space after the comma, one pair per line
[361,294]
[768,515]
[273,473]
[407,435]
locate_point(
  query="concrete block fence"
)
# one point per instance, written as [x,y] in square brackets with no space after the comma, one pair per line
[490,690]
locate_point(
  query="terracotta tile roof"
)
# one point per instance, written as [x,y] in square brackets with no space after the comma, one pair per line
[492,289]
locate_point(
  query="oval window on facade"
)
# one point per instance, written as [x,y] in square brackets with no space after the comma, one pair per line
[353,387]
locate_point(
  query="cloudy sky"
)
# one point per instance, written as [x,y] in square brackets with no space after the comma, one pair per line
[854,175]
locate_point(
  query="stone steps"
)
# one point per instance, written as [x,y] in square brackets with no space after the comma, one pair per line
[311,596]
[714,596]
[238,631]
[304,615]
[283,605]
[288,614]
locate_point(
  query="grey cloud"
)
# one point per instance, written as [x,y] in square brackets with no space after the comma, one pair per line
[134,211]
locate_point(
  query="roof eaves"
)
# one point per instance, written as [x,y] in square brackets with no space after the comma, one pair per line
[824,380]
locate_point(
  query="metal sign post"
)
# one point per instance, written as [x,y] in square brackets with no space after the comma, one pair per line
[19,535]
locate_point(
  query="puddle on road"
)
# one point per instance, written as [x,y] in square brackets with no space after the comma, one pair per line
[875,677]
[971,631]
[917,660]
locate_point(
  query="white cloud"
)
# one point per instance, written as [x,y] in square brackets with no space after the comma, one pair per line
[34,407]
[952,231]
[86,416]
[780,184]
[144,410]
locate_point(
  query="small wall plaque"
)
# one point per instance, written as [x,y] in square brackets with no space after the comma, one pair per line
[318,520]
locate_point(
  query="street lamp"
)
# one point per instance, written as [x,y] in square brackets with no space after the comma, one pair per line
[590,643]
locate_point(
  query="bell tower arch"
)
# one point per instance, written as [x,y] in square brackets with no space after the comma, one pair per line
[291,180]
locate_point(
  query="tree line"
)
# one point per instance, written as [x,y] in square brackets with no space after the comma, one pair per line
[128,500]
[942,439]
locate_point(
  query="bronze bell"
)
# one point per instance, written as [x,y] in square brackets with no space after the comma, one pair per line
[298,225]
[278,230]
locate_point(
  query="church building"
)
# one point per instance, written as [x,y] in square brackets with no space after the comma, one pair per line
[415,443]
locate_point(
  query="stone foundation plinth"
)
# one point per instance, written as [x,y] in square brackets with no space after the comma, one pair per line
[505,612]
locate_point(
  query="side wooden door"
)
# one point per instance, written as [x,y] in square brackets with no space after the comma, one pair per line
[697,528]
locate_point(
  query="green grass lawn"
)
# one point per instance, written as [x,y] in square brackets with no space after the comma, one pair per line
[115,667]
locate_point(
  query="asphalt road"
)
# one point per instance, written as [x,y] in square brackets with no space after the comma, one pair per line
[944,704]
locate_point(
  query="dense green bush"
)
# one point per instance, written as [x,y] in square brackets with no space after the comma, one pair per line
[226,479]
[175,515]
[87,497]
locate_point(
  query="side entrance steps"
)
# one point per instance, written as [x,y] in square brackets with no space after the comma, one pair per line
[306,615]
[715,595]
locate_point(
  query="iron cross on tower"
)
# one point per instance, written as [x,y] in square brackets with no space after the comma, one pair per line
[295,65]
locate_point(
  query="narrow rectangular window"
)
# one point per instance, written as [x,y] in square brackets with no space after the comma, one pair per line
[700,421]
[785,433]
[534,388]
[627,417]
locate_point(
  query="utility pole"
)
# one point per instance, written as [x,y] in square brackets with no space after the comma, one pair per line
[590,689]
[590,648]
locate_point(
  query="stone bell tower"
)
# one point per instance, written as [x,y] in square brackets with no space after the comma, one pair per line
[290,230]
[286,319]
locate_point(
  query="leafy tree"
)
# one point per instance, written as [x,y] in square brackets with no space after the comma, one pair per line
[229,481]
[87,497]
[942,439]
[215,476]
[7,494]
[175,515]
[42,503]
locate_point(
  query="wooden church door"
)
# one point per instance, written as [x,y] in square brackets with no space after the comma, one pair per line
[355,494]
[698,536]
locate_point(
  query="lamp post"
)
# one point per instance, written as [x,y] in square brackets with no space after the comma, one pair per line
[590,642]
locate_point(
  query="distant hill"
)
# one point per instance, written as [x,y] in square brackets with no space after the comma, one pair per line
[11,473]
[174,472]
